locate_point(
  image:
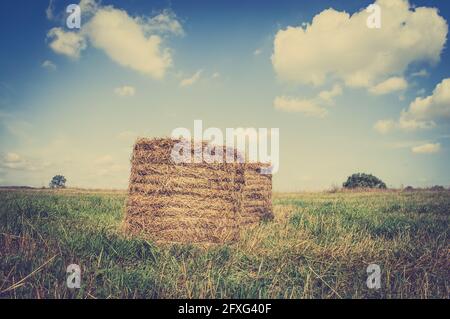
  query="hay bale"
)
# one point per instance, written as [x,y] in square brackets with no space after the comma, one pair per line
[192,202]
[256,195]
[185,203]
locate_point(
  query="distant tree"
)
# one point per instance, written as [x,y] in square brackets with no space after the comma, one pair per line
[362,180]
[437,188]
[58,181]
[408,189]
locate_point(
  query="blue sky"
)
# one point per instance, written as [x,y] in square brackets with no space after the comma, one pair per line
[346,98]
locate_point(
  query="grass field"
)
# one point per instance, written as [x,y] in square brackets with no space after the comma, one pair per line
[318,246]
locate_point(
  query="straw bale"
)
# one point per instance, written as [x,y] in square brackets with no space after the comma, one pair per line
[256,194]
[192,202]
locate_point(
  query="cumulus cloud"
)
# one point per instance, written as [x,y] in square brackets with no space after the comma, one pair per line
[337,45]
[424,112]
[191,80]
[390,85]
[163,23]
[89,7]
[426,148]
[132,42]
[307,107]
[315,107]
[124,40]
[125,90]
[328,96]
[67,43]
[412,124]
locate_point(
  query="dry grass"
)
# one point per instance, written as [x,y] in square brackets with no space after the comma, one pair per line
[317,246]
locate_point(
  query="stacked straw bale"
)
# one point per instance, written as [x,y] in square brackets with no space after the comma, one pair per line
[186,203]
[256,195]
[192,202]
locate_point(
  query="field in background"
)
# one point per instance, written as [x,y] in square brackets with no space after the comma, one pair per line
[318,246]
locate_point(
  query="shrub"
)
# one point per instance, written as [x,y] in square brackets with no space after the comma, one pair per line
[362,180]
[58,181]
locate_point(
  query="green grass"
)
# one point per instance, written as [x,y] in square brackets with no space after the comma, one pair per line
[318,246]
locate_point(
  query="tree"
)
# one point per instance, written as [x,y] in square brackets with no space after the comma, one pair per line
[362,180]
[437,188]
[58,181]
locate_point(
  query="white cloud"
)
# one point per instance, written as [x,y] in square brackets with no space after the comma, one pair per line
[49,65]
[215,75]
[384,126]
[307,107]
[131,42]
[328,96]
[314,107]
[89,6]
[426,148]
[405,144]
[191,80]
[420,73]
[388,125]
[257,52]
[390,85]
[163,23]
[66,42]
[125,90]
[337,45]
[424,112]
[413,124]
[124,40]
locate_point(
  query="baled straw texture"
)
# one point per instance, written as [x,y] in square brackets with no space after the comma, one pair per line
[256,194]
[188,202]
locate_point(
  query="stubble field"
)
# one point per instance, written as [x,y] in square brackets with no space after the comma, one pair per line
[318,246]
